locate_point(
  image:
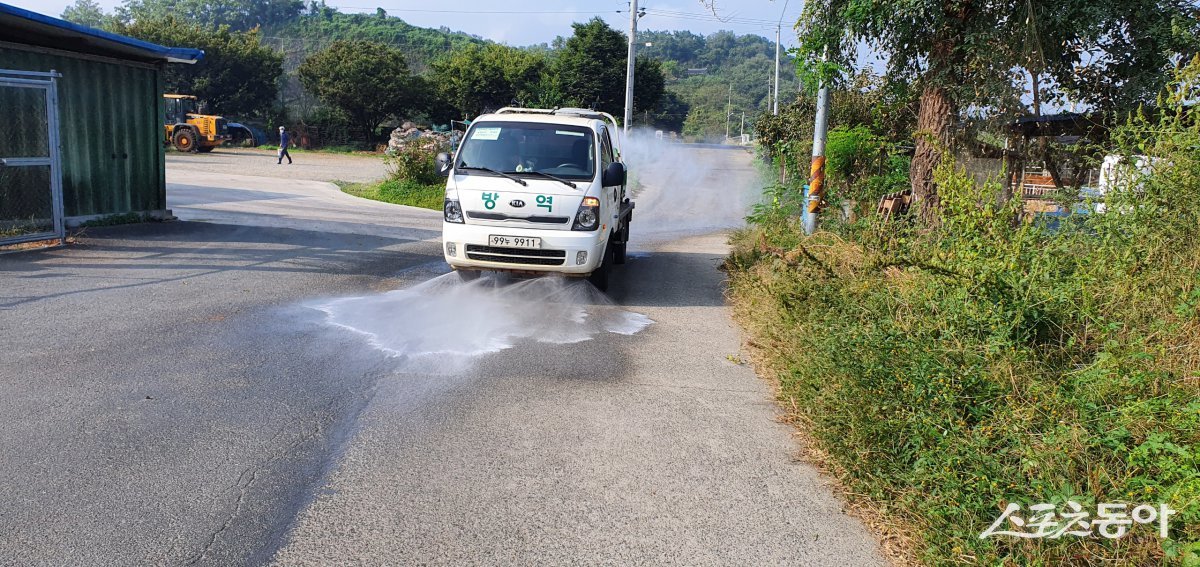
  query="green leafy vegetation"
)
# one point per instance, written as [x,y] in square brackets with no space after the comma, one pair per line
[477,77]
[239,15]
[366,81]
[238,74]
[399,192]
[87,13]
[947,371]
[311,30]
[412,180]
[715,74]
[683,80]
[1112,55]
[589,71]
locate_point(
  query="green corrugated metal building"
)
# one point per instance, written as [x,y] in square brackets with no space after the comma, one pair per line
[109,110]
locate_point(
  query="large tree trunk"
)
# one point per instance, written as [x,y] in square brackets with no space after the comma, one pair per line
[934,123]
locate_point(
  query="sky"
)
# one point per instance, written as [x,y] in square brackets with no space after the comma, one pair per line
[526,22]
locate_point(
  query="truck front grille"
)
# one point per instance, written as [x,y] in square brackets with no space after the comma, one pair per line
[540,219]
[516,255]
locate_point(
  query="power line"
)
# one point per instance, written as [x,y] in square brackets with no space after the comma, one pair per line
[708,17]
[512,12]
[746,24]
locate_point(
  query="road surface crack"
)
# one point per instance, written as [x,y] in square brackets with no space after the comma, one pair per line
[249,476]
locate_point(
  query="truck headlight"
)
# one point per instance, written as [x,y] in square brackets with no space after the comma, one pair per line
[452,212]
[588,216]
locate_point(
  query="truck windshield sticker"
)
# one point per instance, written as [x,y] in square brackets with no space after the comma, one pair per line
[485,134]
[569,133]
[546,202]
[489,200]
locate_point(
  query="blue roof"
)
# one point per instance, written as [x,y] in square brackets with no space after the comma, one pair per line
[21,22]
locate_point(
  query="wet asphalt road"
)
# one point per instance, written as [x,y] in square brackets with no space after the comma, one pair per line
[172,398]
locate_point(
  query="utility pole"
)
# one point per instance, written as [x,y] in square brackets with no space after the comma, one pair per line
[778,28]
[775,109]
[816,181]
[633,18]
[728,111]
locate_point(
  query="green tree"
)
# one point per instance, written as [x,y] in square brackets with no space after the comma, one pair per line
[86,13]
[237,76]
[322,25]
[669,114]
[367,81]
[590,70]
[480,77]
[649,84]
[962,53]
[239,15]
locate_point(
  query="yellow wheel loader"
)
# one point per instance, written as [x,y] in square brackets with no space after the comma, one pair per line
[190,131]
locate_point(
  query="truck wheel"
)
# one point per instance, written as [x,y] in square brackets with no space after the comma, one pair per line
[600,277]
[619,249]
[184,140]
[467,275]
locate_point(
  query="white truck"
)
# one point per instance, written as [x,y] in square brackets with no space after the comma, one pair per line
[537,191]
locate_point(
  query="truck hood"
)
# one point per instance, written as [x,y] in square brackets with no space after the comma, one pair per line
[496,201]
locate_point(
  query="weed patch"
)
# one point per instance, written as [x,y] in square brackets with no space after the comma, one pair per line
[397,192]
[949,371]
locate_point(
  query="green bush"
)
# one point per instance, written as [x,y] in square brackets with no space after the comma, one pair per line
[413,163]
[950,371]
[849,153]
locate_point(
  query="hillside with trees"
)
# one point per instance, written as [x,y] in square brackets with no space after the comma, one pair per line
[710,73]
[686,82]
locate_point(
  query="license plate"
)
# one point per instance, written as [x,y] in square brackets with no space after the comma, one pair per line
[514,241]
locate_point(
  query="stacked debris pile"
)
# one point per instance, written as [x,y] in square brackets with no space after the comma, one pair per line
[408,134]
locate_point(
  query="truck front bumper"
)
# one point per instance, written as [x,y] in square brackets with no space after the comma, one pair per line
[467,247]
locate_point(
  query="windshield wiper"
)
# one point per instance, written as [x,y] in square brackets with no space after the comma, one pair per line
[490,170]
[554,177]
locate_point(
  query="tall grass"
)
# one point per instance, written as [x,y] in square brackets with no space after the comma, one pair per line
[950,371]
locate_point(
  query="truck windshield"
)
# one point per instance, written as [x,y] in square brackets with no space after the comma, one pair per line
[567,152]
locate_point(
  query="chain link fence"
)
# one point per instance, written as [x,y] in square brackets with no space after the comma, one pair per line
[30,208]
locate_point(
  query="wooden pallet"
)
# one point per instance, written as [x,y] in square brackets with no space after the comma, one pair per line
[894,204]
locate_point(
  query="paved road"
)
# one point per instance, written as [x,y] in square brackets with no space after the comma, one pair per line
[270,383]
[214,196]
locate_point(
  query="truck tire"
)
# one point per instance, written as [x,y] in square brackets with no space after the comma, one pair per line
[184,140]
[621,245]
[467,275]
[600,277]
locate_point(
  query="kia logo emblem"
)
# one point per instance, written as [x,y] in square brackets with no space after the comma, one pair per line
[517,203]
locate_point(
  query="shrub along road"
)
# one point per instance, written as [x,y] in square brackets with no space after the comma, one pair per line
[172,398]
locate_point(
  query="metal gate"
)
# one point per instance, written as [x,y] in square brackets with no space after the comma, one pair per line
[31,205]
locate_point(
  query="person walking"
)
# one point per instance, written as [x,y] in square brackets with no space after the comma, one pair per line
[284,140]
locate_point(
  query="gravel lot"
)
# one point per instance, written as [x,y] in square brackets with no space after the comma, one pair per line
[313,166]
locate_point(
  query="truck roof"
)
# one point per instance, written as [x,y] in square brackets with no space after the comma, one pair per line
[588,118]
[592,123]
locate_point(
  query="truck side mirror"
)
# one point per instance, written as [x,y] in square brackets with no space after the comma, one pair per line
[443,164]
[614,174]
